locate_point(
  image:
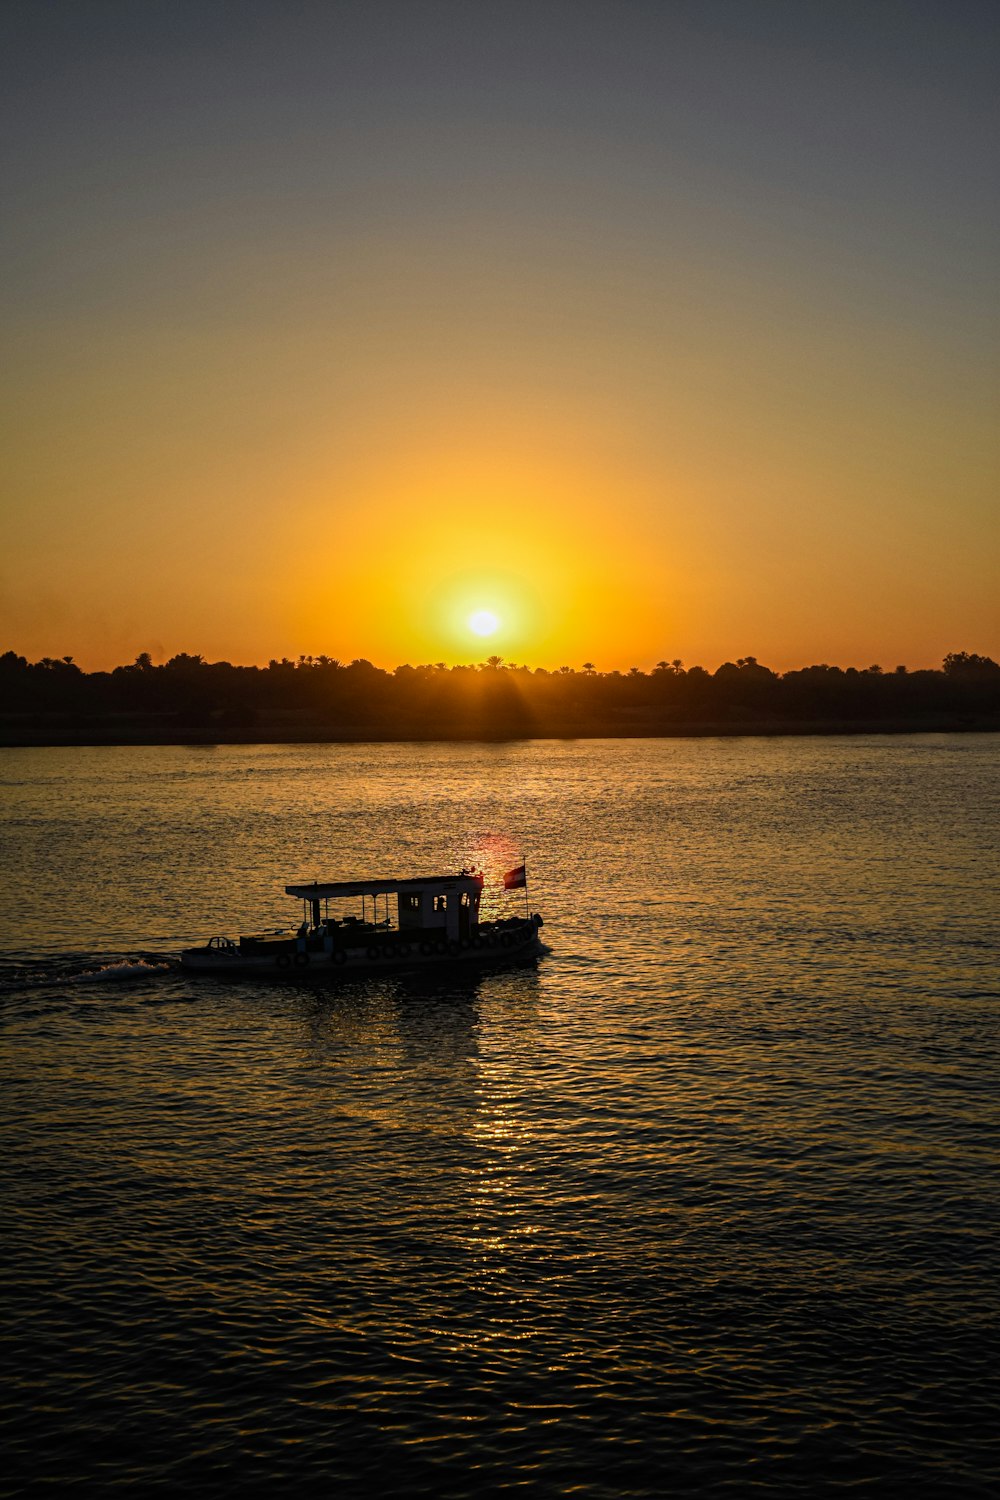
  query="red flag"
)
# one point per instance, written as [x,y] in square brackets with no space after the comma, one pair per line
[515,880]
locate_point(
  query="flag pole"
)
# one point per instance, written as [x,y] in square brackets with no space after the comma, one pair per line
[524,862]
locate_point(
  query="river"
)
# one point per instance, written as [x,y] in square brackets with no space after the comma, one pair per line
[702,1202]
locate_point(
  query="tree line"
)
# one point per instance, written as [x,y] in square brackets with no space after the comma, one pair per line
[494,697]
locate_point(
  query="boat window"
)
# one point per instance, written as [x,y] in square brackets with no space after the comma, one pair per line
[410,902]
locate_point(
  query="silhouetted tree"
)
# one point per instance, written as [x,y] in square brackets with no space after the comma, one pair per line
[968,664]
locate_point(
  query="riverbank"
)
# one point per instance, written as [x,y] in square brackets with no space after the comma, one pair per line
[149,729]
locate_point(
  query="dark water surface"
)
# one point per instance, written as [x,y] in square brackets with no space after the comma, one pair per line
[704,1203]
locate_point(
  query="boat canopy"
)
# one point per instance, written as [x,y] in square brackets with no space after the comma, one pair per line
[319,890]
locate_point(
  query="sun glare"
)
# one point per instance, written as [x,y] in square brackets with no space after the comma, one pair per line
[483,622]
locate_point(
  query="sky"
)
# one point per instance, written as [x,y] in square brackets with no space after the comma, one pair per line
[653,329]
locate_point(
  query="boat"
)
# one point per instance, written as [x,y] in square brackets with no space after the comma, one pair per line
[401,924]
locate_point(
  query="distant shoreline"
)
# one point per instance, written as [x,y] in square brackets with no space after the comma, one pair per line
[188,701]
[39,732]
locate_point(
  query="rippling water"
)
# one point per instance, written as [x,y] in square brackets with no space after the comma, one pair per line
[703,1203]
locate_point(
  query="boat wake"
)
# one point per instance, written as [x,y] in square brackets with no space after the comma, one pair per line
[123,971]
[82,970]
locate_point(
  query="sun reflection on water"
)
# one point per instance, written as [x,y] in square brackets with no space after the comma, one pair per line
[500,1205]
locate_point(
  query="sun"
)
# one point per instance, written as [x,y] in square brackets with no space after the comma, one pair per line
[483,622]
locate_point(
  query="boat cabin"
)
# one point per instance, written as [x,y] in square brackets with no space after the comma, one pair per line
[443,908]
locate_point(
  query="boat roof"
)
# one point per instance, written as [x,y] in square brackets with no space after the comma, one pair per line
[320,890]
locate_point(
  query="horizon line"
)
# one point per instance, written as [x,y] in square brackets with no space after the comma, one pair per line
[305,661]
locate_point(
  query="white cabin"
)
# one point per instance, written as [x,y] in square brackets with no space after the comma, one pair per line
[444,906]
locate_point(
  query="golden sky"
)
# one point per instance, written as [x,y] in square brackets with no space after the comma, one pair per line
[655,331]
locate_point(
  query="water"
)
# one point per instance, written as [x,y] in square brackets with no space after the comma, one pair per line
[703,1203]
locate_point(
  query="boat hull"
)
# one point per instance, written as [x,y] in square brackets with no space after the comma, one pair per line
[510,943]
